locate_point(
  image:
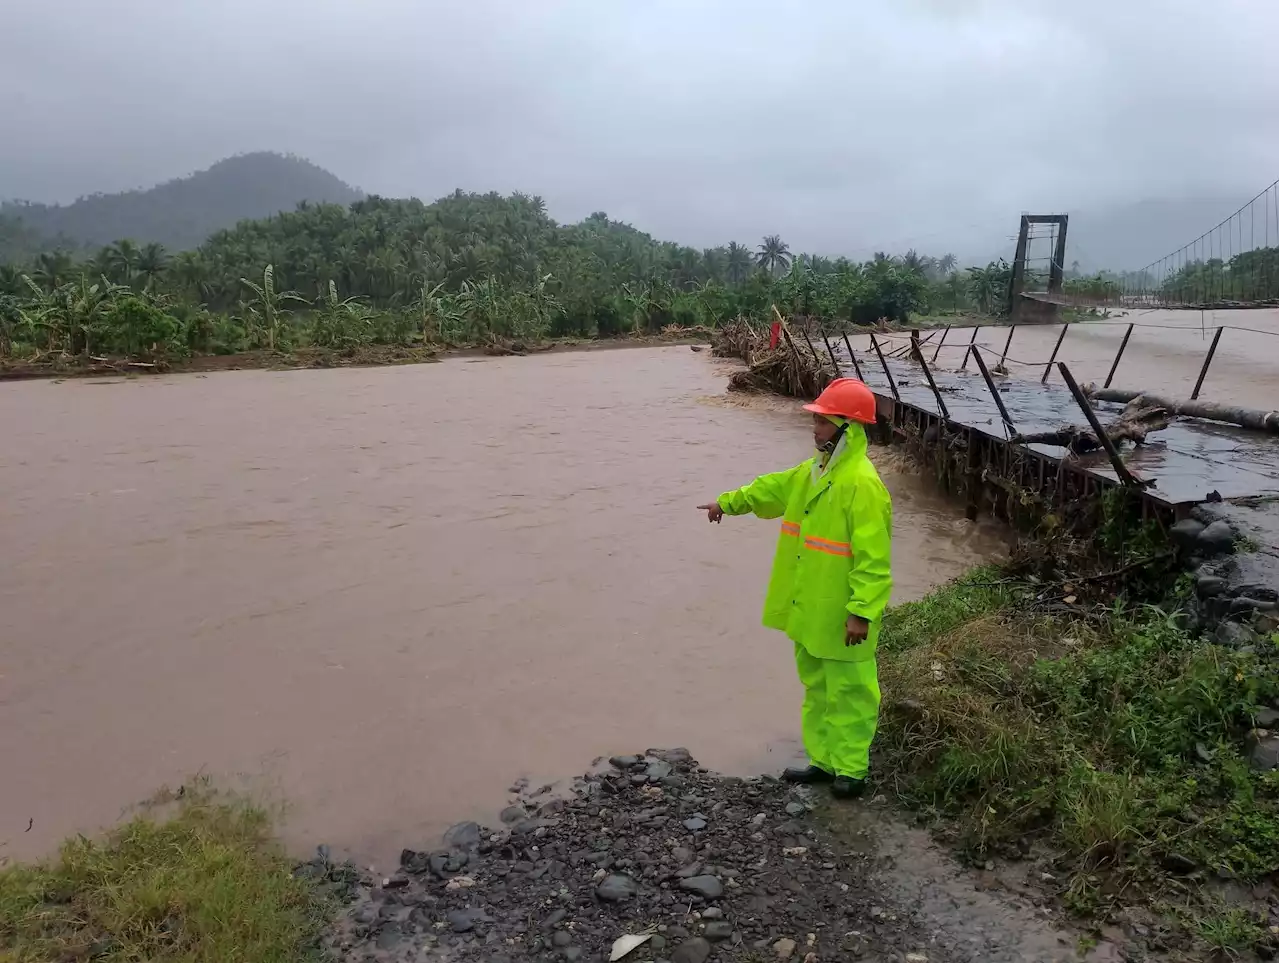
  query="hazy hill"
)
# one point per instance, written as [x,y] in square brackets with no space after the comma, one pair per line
[180,213]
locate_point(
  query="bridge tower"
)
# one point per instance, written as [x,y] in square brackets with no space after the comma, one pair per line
[1043,309]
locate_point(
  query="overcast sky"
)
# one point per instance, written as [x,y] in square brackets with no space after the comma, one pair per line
[843,126]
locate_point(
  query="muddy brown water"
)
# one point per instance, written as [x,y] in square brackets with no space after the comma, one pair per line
[383,594]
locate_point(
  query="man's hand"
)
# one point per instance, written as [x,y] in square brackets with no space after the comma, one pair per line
[713,510]
[855,630]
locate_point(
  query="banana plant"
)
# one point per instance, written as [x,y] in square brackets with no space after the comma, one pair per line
[270,303]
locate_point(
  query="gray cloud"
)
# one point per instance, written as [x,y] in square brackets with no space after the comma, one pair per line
[843,126]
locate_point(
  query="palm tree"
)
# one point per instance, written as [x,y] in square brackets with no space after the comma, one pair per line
[738,261]
[122,256]
[152,263]
[912,261]
[946,263]
[773,254]
[53,269]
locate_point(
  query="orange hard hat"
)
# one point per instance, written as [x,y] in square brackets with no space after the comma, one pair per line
[846,398]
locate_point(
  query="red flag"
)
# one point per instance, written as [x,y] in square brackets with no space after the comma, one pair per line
[775,332]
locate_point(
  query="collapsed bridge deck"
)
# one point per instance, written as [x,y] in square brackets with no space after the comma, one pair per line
[1190,462]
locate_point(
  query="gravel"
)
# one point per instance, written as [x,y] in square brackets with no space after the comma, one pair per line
[613,856]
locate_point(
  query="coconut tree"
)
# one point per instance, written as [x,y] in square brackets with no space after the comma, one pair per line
[946,263]
[773,254]
[52,270]
[122,256]
[152,264]
[738,261]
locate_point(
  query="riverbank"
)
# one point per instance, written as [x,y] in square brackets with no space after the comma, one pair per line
[362,356]
[195,878]
[1069,741]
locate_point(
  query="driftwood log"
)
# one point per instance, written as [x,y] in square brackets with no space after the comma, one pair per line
[1139,418]
[1267,421]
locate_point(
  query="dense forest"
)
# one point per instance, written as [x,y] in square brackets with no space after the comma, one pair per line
[179,214]
[463,269]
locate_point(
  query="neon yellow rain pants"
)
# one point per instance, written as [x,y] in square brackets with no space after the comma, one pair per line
[832,561]
[838,719]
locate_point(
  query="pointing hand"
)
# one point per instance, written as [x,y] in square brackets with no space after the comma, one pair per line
[713,510]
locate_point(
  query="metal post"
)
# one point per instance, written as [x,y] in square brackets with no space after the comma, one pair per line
[1007,341]
[887,373]
[915,345]
[1204,368]
[786,336]
[853,357]
[1127,477]
[1115,364]
[991,386]
[834,363]
[965,362]
[942,405]
[816,359]
[934,359]
[1049,367]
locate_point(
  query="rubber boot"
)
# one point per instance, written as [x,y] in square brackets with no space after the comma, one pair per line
[807,776]
[846,787]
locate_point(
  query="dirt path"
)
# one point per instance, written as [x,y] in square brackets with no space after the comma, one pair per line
[381,593]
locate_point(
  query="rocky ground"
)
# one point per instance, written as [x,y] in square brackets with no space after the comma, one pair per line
[695,867]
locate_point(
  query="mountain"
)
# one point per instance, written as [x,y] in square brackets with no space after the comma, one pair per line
[180,213]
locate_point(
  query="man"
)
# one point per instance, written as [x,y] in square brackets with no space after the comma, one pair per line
[830,582]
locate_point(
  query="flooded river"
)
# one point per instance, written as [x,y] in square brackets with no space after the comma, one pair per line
[383,594]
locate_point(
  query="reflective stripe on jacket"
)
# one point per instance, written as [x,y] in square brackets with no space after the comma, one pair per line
[833,550]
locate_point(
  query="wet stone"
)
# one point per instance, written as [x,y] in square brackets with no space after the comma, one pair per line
[616,888]
[623,762]
[795,809]
[694,824]
[708,887]
[1217,538]
[693,950]
[1210,585]
[562,938]
[657,770]
[1233,635]
[1186,532]
[463,836]
[512,814]
[1264,752]
[718,930]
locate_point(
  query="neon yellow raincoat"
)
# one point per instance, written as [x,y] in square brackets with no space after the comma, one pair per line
[832,561]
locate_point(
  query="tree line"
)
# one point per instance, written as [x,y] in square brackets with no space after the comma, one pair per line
[462,269]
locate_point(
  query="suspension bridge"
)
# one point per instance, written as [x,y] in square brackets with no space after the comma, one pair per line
[1233,264]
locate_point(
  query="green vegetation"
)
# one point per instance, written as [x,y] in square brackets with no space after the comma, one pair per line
[205,885]
[466,269]
[1251,276]
[1113,739]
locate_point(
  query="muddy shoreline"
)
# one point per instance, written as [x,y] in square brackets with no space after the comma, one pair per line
[370,356]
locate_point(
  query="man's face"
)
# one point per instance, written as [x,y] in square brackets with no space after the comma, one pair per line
[823,430]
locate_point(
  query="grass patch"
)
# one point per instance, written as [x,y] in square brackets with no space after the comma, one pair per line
[1117,740]
[205,883]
